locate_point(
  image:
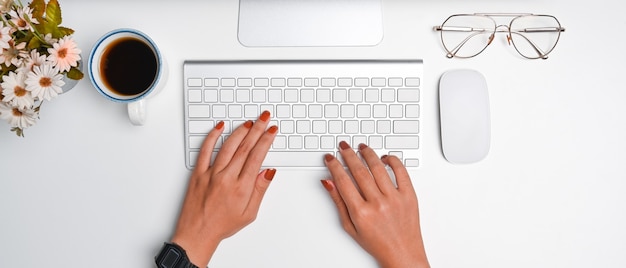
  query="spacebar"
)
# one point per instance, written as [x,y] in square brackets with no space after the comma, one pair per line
[295,159]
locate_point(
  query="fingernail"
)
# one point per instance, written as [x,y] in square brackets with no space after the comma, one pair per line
[344,145]
[220,125]
[265,116]
[329,157]
[362,146]
[327,185]
[269,174]
[384,157]
[248,124]
[273,130]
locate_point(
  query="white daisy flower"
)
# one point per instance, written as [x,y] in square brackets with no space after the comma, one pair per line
[14,91]
[65,54]
[48,38]
[20,118]
[5,37]
[13,54]
[44,82]
[21,17]
[32,60]
[5,5]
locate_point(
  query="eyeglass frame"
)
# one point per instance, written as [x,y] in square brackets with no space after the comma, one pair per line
[497,29]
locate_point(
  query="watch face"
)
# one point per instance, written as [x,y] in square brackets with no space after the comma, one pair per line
[173,256]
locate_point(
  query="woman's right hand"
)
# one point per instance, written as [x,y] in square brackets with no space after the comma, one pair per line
[382,218]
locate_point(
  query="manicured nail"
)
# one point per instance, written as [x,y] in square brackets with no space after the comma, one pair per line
[327,185]
[329,157]
[248,124]
[269,174]
[220,125]
[384,157]
[344,145]
[265,116]
[273,130]
[362,146]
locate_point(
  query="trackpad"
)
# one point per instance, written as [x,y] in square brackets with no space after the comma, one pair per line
[267,23]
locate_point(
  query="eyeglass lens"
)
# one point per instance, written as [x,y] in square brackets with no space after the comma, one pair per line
[534,36]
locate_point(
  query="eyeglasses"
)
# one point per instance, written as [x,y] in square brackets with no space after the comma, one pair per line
[467,35]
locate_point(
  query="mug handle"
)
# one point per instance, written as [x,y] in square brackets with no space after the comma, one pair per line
[137,112]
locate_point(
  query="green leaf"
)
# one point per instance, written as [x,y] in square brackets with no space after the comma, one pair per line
[75,74]
[18,131]
[53,13]
[63,31]
[34,43]
[38,7]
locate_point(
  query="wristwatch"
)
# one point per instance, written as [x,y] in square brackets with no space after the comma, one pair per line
[173,256]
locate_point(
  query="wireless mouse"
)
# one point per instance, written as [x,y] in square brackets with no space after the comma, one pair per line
[465,116]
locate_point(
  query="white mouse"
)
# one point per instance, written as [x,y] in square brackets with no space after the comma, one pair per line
[465,116]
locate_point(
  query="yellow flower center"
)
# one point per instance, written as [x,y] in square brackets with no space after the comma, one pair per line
[16,112]
[19,91]
[45,82]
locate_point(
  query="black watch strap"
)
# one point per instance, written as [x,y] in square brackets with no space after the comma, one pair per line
[173,256]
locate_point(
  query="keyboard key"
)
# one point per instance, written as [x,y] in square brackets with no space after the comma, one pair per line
[278,82]
[380,111]
[409,95]
[376,142]
[295,158]
[235,111]
[311,142]
[242,95]
[198,110]
[251,111]
[298,111]
[412,111]
[258,95]
[319,127]
[291,95]
[395,82]
[283,111]
[311,82]
[356,95]
[210,96]
[412,162]
[211,82]
[194,82]
[396,111]
[340,95]
[200,126]
[351,127]
[327,142]
[295,142]
[347,111]
[331,111]
[307,95]
[219,111]
[227,95]
[328,82]
[275,96]
[261,82]
[383,127]
[371,95]
[379,82]
[359,139]
[303,127]
[335,127]
[323,95]
[195,142]
[194,95]
[368,127]
[280,142]
[412,82]
[344,82]
[228,82]
[361,82]
[363,111]
[244,82]
[406,127]
[287,127]
[294,82]
[402,142]
[316,111]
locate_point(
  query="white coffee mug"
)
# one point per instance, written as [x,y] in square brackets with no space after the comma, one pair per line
[126,66]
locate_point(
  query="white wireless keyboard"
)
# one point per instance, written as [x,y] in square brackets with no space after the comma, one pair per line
[315,104]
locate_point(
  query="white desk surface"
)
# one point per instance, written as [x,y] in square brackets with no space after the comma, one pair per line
[86,188]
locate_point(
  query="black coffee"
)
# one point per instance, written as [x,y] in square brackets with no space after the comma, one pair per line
[128,66]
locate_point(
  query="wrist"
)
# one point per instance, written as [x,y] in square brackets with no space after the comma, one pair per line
[199,251]
[173,256]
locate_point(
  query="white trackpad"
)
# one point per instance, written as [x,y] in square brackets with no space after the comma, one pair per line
[266,23]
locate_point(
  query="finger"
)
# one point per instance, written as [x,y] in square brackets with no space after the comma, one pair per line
[377,168]
[262,182]
[399,170]
[230,145]
[342,181]
[204,157]
[249,142]
[359,171]
[256,157]
[344,216]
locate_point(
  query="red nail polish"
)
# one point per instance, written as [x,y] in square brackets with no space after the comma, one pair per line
[265,116]
[273,130]
[220,125]
[248,124]
[327,185]
[329,157]
[362,146]
[269,174]
[344,145]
